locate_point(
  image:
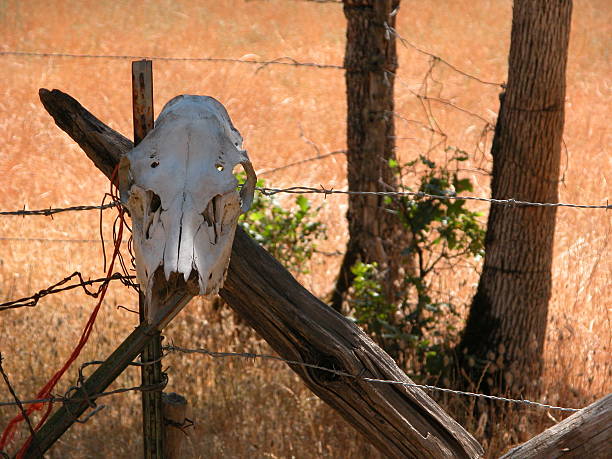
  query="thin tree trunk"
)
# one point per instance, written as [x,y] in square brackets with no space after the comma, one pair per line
[504,336]
[371,62]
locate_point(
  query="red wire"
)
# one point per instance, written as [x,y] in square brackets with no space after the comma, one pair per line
[45,392]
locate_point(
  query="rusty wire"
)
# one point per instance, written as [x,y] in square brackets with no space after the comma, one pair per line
[52,211]
[32,300]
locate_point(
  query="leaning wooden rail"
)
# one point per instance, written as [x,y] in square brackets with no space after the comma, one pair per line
[587,432]
[400,421]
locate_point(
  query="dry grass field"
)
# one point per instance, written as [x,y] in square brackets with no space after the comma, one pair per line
[245,408]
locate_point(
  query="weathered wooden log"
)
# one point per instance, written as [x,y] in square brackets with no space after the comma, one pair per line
[400,421]
[586,433]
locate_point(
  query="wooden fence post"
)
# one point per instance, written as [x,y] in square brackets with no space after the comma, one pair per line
[151,373]
[175,415]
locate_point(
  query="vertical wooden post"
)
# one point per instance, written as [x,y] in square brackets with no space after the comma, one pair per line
[152,414]
[175,413]
[142,98]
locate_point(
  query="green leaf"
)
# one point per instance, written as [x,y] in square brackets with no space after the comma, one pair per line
[303,203]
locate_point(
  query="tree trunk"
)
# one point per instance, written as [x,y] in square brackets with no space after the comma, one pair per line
[371,61]
[504,335]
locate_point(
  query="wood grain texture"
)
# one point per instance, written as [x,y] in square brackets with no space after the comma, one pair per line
[400,421]
[587,432]
[142,99]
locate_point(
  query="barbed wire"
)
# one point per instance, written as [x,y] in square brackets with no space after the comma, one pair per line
[182,350]
[284,61]
[419,195]
[52,211]
[89,397]
[268,191]
[45,239]
[171,348]
[32,300]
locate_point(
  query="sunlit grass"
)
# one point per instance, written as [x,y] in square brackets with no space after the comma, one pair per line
[260,409]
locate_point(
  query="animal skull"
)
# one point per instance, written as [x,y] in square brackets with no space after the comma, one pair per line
[179,188]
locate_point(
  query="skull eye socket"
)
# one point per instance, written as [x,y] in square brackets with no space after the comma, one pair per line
[220,167]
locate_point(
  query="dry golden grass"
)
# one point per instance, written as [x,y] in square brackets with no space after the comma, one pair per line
[252,408]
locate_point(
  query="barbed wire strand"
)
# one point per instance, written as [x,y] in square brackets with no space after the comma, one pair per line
[214,354]
[32,300]
[419,194]
[52,211]
[284,61]
[267,191]
[141,388]
[248,355]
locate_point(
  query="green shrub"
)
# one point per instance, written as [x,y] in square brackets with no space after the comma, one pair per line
[442,232]
[289,235]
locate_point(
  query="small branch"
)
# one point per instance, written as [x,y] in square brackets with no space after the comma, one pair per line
[18,401]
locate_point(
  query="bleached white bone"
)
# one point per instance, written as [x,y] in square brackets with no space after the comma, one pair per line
[179,188]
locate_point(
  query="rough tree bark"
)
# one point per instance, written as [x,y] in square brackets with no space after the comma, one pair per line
[375,235]
[504,335]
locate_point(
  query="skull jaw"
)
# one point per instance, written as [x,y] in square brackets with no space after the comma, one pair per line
[165,294]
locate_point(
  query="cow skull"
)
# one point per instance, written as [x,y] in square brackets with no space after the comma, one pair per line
[179,188]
